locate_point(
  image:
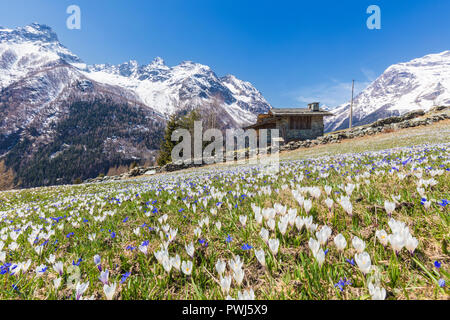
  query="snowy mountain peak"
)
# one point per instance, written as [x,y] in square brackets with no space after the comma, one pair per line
[27,50]
[32,32]
[193,67]
[417,84]
[157,63]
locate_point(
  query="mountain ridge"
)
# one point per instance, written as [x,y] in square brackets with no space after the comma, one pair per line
[164,89]
[42,83]
[421,83]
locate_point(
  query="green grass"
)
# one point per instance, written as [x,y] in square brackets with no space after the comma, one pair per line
[292,274]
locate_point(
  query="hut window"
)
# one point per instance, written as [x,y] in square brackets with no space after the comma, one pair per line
[299,123]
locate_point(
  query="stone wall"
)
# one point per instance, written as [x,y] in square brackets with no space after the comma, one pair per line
[317,129]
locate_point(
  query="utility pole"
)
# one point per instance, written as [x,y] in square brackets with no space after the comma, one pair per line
[351,105]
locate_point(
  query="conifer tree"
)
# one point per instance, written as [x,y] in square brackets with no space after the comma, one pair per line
[176,122]
[167,144]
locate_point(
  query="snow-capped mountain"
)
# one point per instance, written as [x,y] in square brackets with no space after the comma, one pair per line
[28,49]
[35,49]
[42,83]
[37,76]
[418,84]
[187,85]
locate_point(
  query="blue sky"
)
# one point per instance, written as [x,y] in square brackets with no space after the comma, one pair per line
[292,51]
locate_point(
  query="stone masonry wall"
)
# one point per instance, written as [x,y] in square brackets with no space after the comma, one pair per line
[317,129]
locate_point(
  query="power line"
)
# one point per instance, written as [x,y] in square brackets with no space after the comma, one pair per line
[351,105]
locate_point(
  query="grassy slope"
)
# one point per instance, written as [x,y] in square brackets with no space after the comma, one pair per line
[292,274]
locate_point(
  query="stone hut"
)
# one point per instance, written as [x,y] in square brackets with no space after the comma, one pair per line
[294,124]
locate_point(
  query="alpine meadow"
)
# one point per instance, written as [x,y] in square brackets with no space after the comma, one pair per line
[214,158]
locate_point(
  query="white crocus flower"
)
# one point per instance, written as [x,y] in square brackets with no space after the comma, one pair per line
[104,276]
[377,293]
[172,234]
[167,264]
[176,262]
[243,220]
[51,259]
[260,255]
[314,245]
[308,222]
[292,214]
[225,284]
[264,233]
[329,203]
[39,249]
[57,283]
[389,207]
[340,242]
[411,243]
[80,289]
[97,259]
[190,249]
[109,290]
[397,241]
[363,261]
[421,192]
[220,266]
[299,223]
[320,256]
[349,189]
[271,224]
[58,267]
[246,295]
[346,205]
[307,205]
[25,265]
[358,244]
[382,236]
[186,267]
[323,235]
[282,225]
[312,227]
[236,263]
[143,249]
[238,276]
[197,232]
[258,217]
[273,245]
